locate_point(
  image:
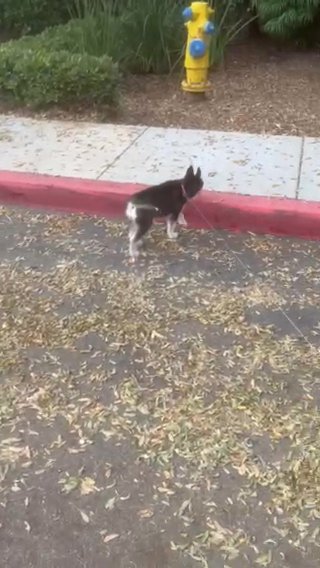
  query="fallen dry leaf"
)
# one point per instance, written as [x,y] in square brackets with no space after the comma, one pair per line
[110,537]
[85,517]
[87,486]
[145,513]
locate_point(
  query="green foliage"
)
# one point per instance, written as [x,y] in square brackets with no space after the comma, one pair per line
[232,18]
[142,35]
[39,77]
[65,37]
[288,19]
[97,29]
[153,35]
[89,36]
[24,16]
[72,63]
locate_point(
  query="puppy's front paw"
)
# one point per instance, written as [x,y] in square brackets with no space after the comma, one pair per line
[182,220]
[173,235]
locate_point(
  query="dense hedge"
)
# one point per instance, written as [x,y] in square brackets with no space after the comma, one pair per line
[24,16]
[39,77]
[289,19]
[65,37]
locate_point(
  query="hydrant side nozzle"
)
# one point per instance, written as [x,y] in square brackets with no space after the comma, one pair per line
[209,28]
[187,14]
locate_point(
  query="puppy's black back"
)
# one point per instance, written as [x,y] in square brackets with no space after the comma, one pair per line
[165,197]
[169,197]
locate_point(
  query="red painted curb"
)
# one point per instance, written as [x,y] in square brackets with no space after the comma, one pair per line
[209,210]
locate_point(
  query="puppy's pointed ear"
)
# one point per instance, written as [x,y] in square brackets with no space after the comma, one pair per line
[198,174]
[189,173]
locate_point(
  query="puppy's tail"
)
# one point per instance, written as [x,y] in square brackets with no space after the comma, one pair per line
[131,211]
[147,207]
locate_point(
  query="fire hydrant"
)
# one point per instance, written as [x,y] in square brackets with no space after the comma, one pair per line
[197,59]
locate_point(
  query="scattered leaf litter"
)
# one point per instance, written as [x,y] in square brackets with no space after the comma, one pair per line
[231,399]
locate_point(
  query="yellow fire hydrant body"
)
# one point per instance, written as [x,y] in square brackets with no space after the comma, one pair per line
[197,59]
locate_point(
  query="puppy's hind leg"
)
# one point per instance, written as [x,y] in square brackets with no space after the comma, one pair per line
[137,232]
[132,215]
[133,245]
[171,226]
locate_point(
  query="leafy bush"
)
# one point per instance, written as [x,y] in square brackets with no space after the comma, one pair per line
[232,19]
[142,35]
[153,33]
[37,77]
[97,28]
[65,37]
[289,19]
[95,35]
[32,15]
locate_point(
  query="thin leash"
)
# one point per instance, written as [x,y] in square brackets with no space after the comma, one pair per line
[245,266]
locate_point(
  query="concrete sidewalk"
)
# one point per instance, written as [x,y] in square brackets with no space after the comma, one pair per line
[245,164]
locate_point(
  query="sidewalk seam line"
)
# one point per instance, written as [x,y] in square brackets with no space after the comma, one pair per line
[300,168]
[122,153]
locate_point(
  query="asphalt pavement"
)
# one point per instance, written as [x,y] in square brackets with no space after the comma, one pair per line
[161,415]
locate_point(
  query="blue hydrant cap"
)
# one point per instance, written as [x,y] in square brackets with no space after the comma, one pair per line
[187,14]
[209,28]
[197,48]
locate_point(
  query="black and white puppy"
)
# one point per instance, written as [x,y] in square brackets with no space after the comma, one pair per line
[164,200]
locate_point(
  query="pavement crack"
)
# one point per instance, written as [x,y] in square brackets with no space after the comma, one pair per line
[122,153]
[300,168]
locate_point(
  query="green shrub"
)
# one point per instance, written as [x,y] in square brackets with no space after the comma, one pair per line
[26,16]
[142,35]
[37,77]
[92,35]
[153,32]
[232,19]
[98,27]
[289,19]
[65,37]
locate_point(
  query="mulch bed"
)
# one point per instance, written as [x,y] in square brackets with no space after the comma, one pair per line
[261,89]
